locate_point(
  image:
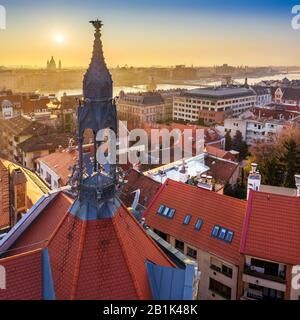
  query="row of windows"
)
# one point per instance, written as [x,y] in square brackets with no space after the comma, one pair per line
[222,233]
[166,211]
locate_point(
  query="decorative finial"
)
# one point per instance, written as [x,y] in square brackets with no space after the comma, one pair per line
[97,24]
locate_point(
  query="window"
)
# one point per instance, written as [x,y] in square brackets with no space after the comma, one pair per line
[220,288]
[171,213]
[215,231]
[191,253]
[227,271]
[187,219]
[222,234]
[198,224]
[179,245]
[161,209]
[166,211]
[161,234]
[229,236]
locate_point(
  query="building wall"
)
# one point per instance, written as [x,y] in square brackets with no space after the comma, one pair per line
[205,260]
[210,109]
[28,158]
[45,172]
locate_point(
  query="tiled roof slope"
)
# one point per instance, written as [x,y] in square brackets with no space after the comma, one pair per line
[60,162]
[98,259]
[23,277]
[4,196]
[111,251]
[272,228]
[213,208]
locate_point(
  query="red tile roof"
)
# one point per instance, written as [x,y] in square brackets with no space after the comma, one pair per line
[213,208]
[99,259]
[272,228]
[217,152]
[220,169]
[60,162]
[137,180]
[23,276]
[4,196]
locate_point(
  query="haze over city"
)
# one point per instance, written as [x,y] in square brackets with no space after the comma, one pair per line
[148,33]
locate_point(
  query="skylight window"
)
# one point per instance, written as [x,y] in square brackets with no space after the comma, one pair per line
[215,231]
[171,213]
[187,219]
[166,211]
[222,234]
[161,209]
[229,236]
[198,224]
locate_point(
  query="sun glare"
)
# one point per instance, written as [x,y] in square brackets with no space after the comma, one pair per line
[59,38]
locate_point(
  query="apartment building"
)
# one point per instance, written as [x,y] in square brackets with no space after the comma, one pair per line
[244,249]
[145,106]
[212,105]
[206,227]
[16,130]
[259,124]
[270,247]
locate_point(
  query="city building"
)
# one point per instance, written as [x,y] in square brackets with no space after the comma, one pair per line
[212,105]
[222,171]
[151,106]
[263,95]
[41,145]
[16,130]
[269,245]
[288,95]
[20,189]
[244,249]
[205,226]
[259,124]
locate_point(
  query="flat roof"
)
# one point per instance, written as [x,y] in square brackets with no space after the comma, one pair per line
[219,92]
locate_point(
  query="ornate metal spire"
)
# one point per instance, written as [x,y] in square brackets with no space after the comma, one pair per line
[96,187]
[97,82]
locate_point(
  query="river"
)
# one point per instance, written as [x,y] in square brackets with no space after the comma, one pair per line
[139,88]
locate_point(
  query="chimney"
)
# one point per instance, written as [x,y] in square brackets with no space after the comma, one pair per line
[254,179]
[297,180]
[205,182]
[18,195]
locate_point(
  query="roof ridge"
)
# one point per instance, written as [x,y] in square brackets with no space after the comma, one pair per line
[161,188]
[78,260]
[246,222]
[204,190]
[128,265]
[23,254]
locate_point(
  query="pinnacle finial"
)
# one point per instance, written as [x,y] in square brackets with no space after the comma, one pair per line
[97,24]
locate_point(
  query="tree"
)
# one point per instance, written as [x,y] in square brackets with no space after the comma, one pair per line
[238,144]
[289,161]
[228,141]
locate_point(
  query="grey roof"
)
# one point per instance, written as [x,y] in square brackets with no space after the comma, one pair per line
[261,90]
[278,190]
[220,92]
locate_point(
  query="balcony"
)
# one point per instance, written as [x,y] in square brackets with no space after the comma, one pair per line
[252,294]
[260,273]
[219,270]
